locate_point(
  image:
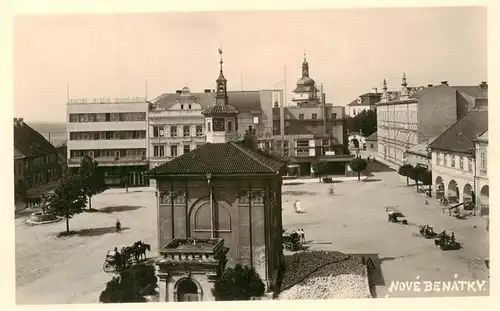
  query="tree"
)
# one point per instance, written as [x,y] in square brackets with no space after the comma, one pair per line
[132,286]
[364,122]
[69,198]
[124,176]
[92,178]
[418,172]
[358,165]
[238,283]
[405,170]
[20,191]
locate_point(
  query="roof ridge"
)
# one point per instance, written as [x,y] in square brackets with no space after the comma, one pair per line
[249,152]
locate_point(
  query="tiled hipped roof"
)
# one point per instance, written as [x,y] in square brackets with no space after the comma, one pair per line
[460,136]
[29,142]
[224,158]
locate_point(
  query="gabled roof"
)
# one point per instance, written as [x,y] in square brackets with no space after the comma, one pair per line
[472,90]
[224,158]
[29,142]
[243,101]
[372,137]
[460,136]
[421,148]
[367,99]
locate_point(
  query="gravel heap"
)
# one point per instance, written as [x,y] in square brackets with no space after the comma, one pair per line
[324,275]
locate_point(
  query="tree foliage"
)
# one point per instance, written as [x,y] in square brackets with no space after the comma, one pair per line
[132,286]
[364,122]
[238,283]
[418,173]
[358,165]
[406,170]
[68,199]
[92,178]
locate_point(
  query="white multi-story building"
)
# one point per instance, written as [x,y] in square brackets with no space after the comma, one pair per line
[454,158]
[416,115]
[112,131]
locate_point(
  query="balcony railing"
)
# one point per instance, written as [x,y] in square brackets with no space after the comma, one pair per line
[114,160]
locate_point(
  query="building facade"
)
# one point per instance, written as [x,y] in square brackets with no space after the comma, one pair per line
[222,192]
[114,132]
[367,101]
[481,176]
[417,114]
[36,165]
[371,142]
[177,125]
[454,172]
[309,131]
[420,155]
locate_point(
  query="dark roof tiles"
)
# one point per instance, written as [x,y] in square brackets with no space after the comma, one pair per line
[223,158]
[220,109]
[460,136]
[29,142]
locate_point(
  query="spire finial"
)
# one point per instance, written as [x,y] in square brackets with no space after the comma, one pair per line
[403,83]
[305,54]
[384,87]
[221,61]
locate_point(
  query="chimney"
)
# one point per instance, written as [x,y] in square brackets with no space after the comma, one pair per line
[444,82]
[213,91]
[21,121]
[207,90]
[374,90]
[483,86]
[430,85]
[250,141]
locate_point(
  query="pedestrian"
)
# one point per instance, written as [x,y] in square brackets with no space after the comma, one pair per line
[302,235]
[118,226]
[426,202]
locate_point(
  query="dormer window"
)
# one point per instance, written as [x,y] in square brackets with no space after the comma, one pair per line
[182,106]
[229,126]
[219,124]
[189,106]
[360,100]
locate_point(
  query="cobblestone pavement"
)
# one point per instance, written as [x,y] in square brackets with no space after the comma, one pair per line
[354,221]
[69,270]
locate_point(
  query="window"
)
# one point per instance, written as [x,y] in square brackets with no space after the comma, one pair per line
[285,144]
[189,106]
[173,151]
[209,126]
[452,160]
[156,131]
[314,116]
[173,131]
[314,125]
[470,165]
[182,106]
[354,111]
[199,130]
[187,149]
[162,151]
[229,126]
[156,151]
[334,116]
[219,125]
[301,116]
[445,160]
[461,163]
[438,158]
[483,162]
[185,131]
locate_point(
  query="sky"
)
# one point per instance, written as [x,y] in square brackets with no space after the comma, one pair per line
[350,51]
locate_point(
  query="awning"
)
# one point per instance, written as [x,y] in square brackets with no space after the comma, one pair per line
[293,165]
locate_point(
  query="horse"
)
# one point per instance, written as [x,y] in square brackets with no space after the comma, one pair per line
[140,249]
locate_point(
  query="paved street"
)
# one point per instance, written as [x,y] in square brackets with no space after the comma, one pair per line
[69,270]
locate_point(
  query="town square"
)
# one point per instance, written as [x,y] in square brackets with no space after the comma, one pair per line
[236,172]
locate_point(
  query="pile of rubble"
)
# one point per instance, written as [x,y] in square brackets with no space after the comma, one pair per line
[324,275]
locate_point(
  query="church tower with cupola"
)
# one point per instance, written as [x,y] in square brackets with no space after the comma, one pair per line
[221,119]
[306,90]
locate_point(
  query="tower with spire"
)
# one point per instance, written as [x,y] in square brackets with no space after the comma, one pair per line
[385,94]
[221,119]
[306,90]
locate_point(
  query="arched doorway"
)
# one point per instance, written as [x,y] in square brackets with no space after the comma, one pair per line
[355,143]
[453,193]
[187,290]
[439,188]
[484,200]
[468,193]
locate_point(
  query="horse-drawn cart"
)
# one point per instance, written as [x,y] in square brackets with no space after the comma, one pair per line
[118,261]
[291,241]
[393,213]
